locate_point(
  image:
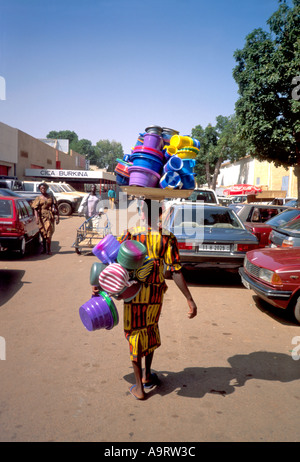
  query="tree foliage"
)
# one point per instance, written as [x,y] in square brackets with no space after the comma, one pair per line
[217,144]
[106,153]
[267,110]
[103,154]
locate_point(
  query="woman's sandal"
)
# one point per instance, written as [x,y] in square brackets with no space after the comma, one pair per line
[154,381]
[136,397]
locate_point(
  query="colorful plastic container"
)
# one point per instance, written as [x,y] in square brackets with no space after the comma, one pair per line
[174,164]
[154,141]
[167,134]
[107,249]
[188,166]
[188,181]
[132,254]
[196,143]
[170,180]
[95,271]
[171,150]
[186,154]
[122,172]
[181,141]
[154,129]
[147,150]
[99,313]
[114,278]
[127,158]
[129,293]
[140,140]
[143,177]
[147,161]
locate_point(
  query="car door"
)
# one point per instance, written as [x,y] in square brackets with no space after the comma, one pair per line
[26,220]
[34,229]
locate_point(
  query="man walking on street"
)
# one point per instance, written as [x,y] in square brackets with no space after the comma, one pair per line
[111,196]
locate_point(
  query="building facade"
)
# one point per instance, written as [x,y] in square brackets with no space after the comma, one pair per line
[29,158]
[252,171]
[19,151]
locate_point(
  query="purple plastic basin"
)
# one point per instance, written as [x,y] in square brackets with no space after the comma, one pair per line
[151,140]
[107,249]
[95,314]
[143,177]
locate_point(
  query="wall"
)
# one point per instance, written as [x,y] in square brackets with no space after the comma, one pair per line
[20,151]
[8,147]
[265,174]
[238,172]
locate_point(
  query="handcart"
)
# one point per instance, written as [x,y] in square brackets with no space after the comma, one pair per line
[89,234]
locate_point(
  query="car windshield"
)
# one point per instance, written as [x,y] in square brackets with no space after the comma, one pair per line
[206,196]
[293,226]
[283,217]
[292,203]
[56,188]
[6,209]
[195,217]
[68,188]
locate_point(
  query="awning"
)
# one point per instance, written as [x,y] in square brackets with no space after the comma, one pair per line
[238,189]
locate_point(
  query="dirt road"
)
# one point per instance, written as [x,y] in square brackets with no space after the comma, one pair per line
[227,375]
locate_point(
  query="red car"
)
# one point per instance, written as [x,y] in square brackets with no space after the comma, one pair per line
[263,230]
[17,224]
[274,275]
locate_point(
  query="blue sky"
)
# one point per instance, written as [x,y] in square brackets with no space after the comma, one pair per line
[107,69]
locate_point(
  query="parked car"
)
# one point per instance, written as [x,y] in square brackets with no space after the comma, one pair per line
[254,214]
[20,195]
[239,199]
[262,230]
[287,235]
[293,203]
[274,275]
[17,224]
[208,235]
[206,195]
[69,189]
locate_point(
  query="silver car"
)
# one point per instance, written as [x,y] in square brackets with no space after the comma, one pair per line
[208,235]
[287,235]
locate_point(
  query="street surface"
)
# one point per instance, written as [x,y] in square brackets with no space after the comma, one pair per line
[227,375]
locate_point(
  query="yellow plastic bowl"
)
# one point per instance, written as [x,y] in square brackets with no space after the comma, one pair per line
[186,154]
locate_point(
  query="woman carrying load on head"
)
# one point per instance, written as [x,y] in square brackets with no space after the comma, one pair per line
[46,213]
[141,315]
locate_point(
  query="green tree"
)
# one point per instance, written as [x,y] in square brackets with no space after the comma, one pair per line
[267,70]
[64,135]
[106,154]
[217,144]
[85,148]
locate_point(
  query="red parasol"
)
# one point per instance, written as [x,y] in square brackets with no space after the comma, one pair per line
[241,189]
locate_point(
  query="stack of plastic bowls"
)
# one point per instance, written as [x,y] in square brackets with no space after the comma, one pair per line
[147,160]
[167,134]
[186,148]
[122,172]
[150,160]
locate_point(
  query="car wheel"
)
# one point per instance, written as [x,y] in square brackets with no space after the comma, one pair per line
[297,310]
[64,209]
